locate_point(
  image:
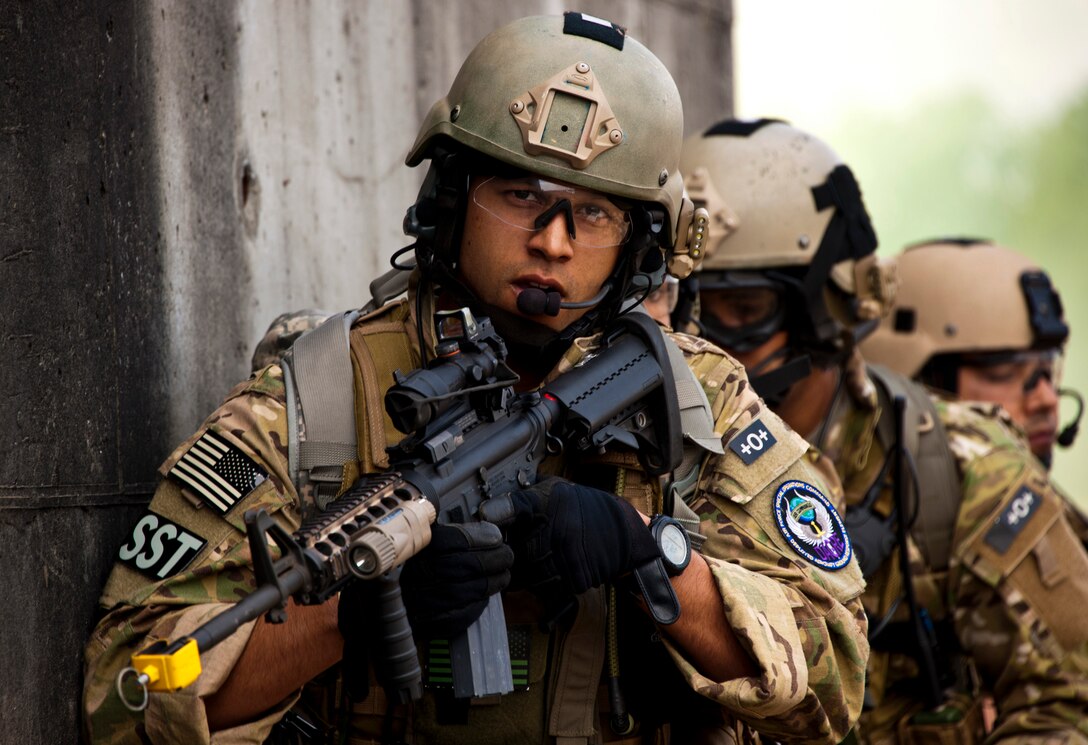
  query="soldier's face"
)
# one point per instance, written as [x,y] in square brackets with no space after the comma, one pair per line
[1026,388]
[500,260]
[661,302]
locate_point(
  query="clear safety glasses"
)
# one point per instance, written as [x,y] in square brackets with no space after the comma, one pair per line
[1019,371]
[530,203]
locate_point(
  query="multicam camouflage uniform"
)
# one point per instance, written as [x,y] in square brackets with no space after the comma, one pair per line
[803,626]
[282,333]
[1014,598]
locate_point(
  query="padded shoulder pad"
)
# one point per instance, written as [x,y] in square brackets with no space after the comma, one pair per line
[393,310]
[267,381]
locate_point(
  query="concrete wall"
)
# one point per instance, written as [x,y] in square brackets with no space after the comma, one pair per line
[172,176]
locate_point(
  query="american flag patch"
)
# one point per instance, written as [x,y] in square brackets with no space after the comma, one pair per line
[217,472]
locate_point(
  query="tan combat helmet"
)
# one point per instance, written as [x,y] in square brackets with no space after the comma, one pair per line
[966,296]
[786,214]
[570,98]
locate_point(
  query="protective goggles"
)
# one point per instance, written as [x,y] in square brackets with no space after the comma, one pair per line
[742,309]
[1021,371]
[530,204]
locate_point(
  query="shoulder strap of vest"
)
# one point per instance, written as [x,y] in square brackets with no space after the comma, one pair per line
[321,399]
[939,485]
[319,381]
[697,423]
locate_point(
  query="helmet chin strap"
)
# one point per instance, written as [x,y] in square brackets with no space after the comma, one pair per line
[772,386]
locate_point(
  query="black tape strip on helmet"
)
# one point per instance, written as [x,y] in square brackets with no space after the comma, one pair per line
[841,190]
[740,127]
[958,240]
[850,235]
[591,27]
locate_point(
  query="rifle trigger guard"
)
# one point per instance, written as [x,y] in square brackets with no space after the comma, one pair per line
[553,444]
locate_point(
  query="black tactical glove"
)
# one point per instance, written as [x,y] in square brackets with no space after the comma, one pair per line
[447,585]
[570,537]
[353,617]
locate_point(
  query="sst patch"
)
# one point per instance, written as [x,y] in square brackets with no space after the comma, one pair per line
[1009,524]
[752,442]
[217,472]
[812,525]
[158,548]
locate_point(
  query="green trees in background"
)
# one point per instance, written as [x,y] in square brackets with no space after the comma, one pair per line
[956,167]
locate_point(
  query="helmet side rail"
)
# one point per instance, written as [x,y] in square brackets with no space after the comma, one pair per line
[470,437]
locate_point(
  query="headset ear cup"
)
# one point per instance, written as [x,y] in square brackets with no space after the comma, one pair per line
[652,261]
[449,221]
[437,215]
[426,212]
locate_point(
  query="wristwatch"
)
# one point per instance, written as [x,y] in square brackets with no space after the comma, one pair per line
[673,542]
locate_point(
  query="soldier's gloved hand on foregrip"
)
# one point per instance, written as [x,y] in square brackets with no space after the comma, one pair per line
[570,536]
[446,586]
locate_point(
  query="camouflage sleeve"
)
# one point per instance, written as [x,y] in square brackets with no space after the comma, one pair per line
[789,585]
[1020,588]
[184,562]
[1018,580]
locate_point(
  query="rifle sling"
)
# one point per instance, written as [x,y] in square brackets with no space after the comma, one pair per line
[939,491]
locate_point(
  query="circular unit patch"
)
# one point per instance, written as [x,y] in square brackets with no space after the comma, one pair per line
[812,525]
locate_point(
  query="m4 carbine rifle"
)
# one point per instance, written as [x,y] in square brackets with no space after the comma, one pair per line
[470,437]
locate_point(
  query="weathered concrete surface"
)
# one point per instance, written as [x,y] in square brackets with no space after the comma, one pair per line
[172,176]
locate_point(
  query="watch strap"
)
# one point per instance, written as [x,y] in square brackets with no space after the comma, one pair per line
[653,583]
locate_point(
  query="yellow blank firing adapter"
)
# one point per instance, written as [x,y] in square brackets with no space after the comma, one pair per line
[162,667]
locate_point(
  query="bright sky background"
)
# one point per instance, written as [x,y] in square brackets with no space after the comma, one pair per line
[810,60]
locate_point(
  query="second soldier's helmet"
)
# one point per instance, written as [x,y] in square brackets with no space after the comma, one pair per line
[568,98]
[962,296]
[786,218]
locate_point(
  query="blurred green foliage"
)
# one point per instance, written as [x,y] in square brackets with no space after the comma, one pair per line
[956,167]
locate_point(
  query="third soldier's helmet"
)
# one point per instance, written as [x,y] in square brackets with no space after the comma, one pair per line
[962,296]
[569,98]
[786,219]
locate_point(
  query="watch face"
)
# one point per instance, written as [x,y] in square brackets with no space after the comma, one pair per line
[674,544]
